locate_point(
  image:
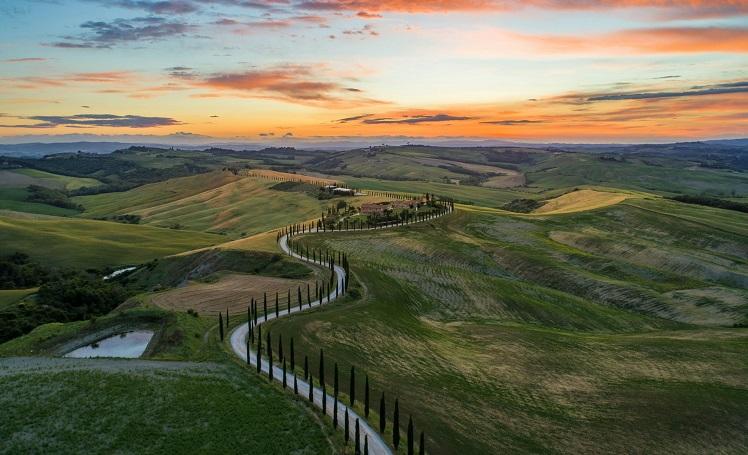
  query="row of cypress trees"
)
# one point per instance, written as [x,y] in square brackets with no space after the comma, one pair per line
[329,259]
[308,377]
[443,206]
[278,178]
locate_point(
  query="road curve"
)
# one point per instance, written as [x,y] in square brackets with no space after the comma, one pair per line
[238,339]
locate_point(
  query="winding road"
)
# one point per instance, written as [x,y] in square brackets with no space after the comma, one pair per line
[376,443]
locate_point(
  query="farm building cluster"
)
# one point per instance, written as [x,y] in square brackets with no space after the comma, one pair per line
[383,207]
[340,191]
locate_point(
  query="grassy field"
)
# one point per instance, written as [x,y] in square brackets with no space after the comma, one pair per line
[217,280]
[189,394]
[406,168]
[499,335]
[14,199]
[660,176]
[581,200]
[24,177]
[70,242]
[213,202]
[488,197]
[106,406]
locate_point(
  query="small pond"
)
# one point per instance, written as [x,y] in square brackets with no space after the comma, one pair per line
[129,345]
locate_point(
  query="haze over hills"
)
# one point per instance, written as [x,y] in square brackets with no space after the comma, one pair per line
[76,143]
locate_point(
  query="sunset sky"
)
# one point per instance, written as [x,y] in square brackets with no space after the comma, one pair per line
[535,70]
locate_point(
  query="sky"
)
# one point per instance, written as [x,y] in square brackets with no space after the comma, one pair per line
[273,70]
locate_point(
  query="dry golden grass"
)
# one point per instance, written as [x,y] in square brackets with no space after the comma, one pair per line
[258,242]
[233,291]
[581,200]
[267,173]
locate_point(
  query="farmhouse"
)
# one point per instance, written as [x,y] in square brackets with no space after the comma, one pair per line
[343,191]
[371,209]
[405,204]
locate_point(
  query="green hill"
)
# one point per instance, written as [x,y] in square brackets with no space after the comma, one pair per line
[79,243]
[213,202]
[571,324]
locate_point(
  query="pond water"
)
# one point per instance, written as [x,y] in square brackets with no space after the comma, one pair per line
[129,345]
[119,272]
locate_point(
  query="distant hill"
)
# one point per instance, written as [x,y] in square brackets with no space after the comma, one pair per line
[39,149]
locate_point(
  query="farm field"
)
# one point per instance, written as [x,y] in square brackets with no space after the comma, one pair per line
[663,176]
[488,197]
[15,200]
[482,315]
[71,242]
[25,177]
[581,200]
[216,202]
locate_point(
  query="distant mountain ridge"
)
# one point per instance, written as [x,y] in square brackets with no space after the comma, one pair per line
[40,149]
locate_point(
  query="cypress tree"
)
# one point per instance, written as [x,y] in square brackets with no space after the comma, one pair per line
[220,325]
[277,312]
[247,351]
[358,439]
[410,435]
[311,389]
[289,297]
[396,426]
[306,367]
[298,296]
[295,384]
[322,380]
[270,358]
[255,313]
[352,386]
[293,360]
[382,415]
[265,309]
[335,381]
[259,351]
[422,446]
[284,372]
[366,398]
[308,295]
[280,347]
[249,317]
[335,414]
[347,430]
[366,444]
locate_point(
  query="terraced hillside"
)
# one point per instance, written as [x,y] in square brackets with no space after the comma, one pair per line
[516,333]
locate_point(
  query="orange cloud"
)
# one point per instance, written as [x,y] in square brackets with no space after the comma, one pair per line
[675,8]
[652,40]
[105,77]
[708,114]
[300,84]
